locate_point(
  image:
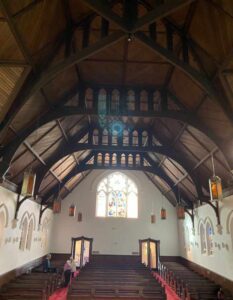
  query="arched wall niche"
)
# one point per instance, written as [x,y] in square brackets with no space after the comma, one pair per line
[29,216]
[228,221]
[4,209]
[201,221]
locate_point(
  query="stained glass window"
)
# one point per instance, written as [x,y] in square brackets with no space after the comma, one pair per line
[117,196]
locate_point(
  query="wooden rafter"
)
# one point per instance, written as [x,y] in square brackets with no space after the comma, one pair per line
[15,32]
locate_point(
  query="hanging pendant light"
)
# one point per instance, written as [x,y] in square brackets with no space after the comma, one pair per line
[72,210]
[215,185]
[80,217]
[57,206]
[152,218]
[57,203]
[28,185]
[163,214]
[180,212]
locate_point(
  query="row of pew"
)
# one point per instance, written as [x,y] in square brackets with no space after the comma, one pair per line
[31,286]
[103,281]
[188,284]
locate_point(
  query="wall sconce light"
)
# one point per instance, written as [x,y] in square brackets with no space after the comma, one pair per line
[72,210]
[80,217]
[152,218]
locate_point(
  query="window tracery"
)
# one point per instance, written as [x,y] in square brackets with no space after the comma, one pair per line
[117,196]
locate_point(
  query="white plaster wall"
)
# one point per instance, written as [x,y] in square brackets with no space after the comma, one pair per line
[115,235]
[10,255]
[221,262]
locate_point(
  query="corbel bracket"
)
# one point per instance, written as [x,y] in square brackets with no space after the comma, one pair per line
[191,214]
[42,210]
[215,208]
[18,204]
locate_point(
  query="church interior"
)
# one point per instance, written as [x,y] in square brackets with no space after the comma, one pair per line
[116,149]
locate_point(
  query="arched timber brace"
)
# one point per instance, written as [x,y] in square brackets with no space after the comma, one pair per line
[18,204]
[120,165]
[38,80]
[216,210]
[42,210]
[124,149]
[146,107]
[191,214]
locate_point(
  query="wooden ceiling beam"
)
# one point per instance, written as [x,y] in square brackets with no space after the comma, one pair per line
[27,8]
[159,12]
[168,197]
[168,179]
[116,149]
[86,167]
[102,8]
[199,78]
[15,33]
[69,176]
[37,156]
[35,83]
[196,76]
[63,111]
[190,195]
[175,176]
[183,145]
[197,165]
[13,63]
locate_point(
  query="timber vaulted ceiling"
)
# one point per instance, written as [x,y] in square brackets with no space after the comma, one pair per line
[131,84]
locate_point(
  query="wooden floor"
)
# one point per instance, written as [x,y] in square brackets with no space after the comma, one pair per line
[98,281]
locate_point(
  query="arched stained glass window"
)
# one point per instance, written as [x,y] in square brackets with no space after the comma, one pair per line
[117,196]
[209,238]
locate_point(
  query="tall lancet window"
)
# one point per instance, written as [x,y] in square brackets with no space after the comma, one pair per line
[209,238]
[117,196]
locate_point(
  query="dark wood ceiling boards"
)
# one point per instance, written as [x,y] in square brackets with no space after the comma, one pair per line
[176,57]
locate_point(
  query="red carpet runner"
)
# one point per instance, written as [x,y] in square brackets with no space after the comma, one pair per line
[171,295]
[61,294]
